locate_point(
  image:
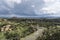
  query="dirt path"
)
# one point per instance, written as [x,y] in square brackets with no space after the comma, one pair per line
[35,35]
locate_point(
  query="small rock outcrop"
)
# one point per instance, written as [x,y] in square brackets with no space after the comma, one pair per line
[6,28]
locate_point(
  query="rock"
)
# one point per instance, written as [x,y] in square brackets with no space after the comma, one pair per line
[6,28]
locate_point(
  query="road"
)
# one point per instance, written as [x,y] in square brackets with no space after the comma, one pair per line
[34,35]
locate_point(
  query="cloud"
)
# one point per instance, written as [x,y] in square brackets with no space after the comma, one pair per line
[11,3]
[16,1]
[30,7]
[33,6]
[23,7]
[51,6]
[49,1]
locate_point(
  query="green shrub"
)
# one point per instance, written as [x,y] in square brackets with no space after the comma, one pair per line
[12,36]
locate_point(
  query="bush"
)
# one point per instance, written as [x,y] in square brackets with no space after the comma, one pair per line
[2,37]
[52,33]
[12,36]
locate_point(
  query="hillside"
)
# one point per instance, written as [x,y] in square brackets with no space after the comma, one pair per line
[24,28]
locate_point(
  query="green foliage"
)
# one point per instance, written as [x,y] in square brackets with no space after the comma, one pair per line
[21,27]
[52,33]
[12,36]
[2,37]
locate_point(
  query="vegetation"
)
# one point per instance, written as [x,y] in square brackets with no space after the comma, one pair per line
[51,33]
[17,28]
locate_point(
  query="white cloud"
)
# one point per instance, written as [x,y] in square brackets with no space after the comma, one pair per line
[33,6]
[48,1]
[10,3]
[16,1]
[51,6]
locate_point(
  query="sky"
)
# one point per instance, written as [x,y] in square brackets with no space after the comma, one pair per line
[30,8]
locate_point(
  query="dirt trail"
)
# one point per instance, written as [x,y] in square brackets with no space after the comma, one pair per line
[35,35]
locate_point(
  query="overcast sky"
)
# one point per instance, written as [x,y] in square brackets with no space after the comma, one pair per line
[39,8]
